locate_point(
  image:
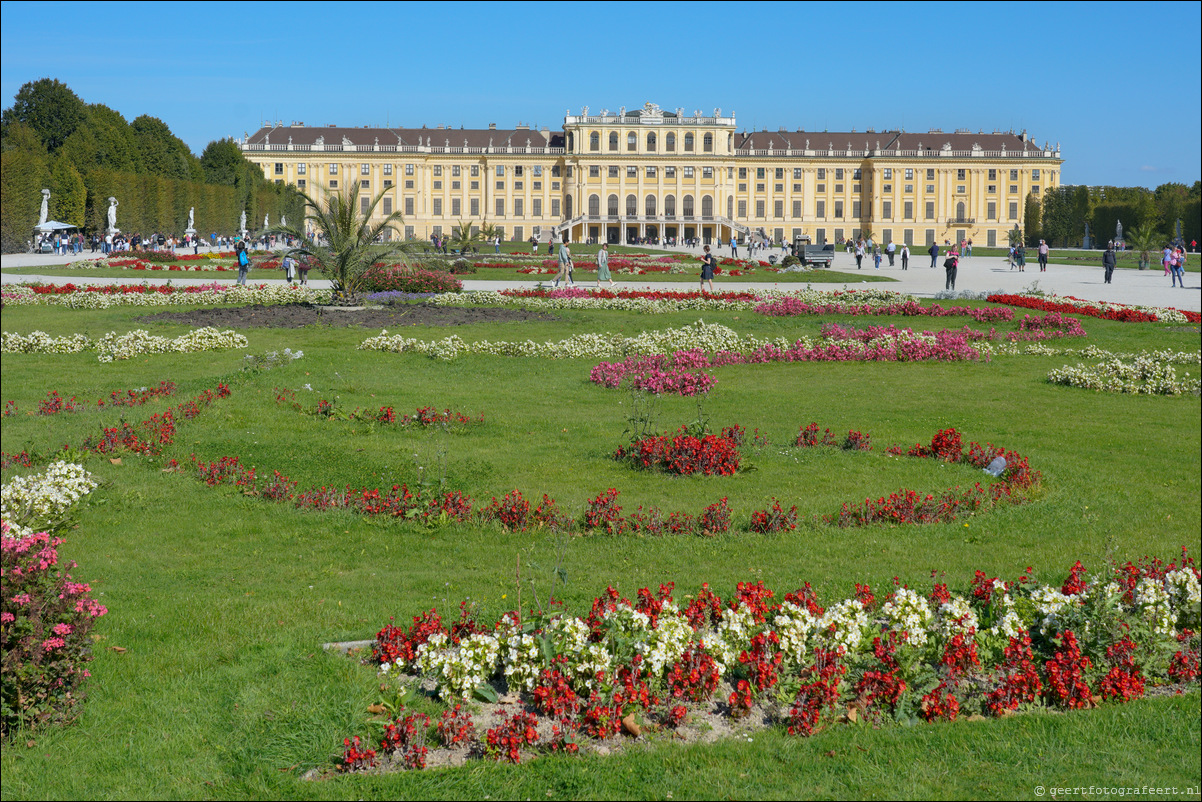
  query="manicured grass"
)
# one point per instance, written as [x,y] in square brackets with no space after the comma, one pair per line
[220,601]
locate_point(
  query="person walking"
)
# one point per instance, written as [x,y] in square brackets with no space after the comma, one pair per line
[1043,256]
[565,264]
[1177,266]
[708,263]
[934,252]
[1020,254]
[950,266]
[734,247]
[243,261]
[905,255]
[859,255]
[1165,257]
[287,265]
[1108,261]
[876,256]
[302,272]
[603,265]
[891,250]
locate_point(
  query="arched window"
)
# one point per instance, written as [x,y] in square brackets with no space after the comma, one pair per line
[688,142]
[651,142]
[632,206]
[594,205]
[707,206]
[650,206]
[594,141]
[613,140]
[670,206]
[632,141]
[707,143]
[960,215]
[688,205]
[670,142]
[613,206]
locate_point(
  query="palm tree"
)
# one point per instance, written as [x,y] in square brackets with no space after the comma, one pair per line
[347,241]
[465,237]
[1015,236]
[1145,240]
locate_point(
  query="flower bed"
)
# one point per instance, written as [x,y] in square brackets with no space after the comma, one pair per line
[112,295]
[113,346]
[423,417]
[402,279]
[1143,375]
[903,655]
[42,502]
[683,453]
[1099,309]
[790,307]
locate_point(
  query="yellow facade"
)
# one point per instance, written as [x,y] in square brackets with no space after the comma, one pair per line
[654,174]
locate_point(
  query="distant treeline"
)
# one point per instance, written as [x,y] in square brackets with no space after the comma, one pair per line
[50,138]
[1065,210]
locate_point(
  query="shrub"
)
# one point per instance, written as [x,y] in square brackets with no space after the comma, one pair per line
[401,279]
[462,267]
[789,261]
[683,454]
[45,620]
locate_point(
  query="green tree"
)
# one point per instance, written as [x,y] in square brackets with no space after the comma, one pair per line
[50,108]
[68,195]
[222,161]
[23,175]
[162,152]
[1144,240]
[466,237]
[1031,219]
[347,241]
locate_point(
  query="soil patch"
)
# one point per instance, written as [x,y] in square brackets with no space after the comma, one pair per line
[295,316]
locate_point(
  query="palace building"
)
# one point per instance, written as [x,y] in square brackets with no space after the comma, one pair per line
[649,173]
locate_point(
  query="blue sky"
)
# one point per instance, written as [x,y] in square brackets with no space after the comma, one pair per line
[1117,84]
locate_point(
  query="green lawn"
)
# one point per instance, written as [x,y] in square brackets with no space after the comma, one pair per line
[218,602]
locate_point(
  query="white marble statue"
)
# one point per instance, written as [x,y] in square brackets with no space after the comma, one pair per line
[44,215]
[283,220]
[112,213]
[192,218]
[242,221]
[265,226]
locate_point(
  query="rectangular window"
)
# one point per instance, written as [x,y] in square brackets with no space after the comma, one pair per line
[909,173]
[991,188]
[474,207]
[501,185]
[887,188]
[1035,174]
[1034,190]
[779,187]
[409,206]
[437,169]
[363,205]
[517,171]
[887,210]
[759,208]
[456,207]
[594,171]
[820,210]
[991,211]
[707,172]
[408,169]
[796,173]
[437,230]
[613,171]
[688,172]
[555,207]
[1013,211]
[930,210]
[333,183]
[364,169]
[908,236]
[517,207]
[455,170]
[650,171]
[437,184]
[473,184]
[438,207]
[408,232]
[993,175]
[500,207]
[409,183]
[759,187]
[669,172]
[855,210]
[856,175]
[279,168]
[555,171]
[821,173]
[855,187]
[300,169]
[930,174]
[538,170]
[909,188]
[333,169]
[475,171]
[1014,189]
[796,208]
[797,187]
[960,175]
[536,207]
[838,210]
[632,171]
[742,172]
[959,189]
[838,173]
[387,206]
[500,170]
[742,187]
[778,208]
[1014,175]
[930,236]
[780,173]
[742,209]
[537,184]
[908,210]
[456,185]
[364,185]
[838,187]
[930,187]
[759,172]
[887,174]
[300,184]
[822,187]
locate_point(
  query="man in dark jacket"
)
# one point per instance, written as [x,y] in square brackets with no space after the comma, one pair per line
[1108,261]
[934,252]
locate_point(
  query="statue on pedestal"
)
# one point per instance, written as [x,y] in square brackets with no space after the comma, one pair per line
[242,223]
[44,215]
[191,229]
[112,215]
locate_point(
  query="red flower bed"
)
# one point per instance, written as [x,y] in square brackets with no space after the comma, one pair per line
[1076,306]
[683,454]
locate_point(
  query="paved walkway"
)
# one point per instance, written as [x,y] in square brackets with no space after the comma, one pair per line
[978,274]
